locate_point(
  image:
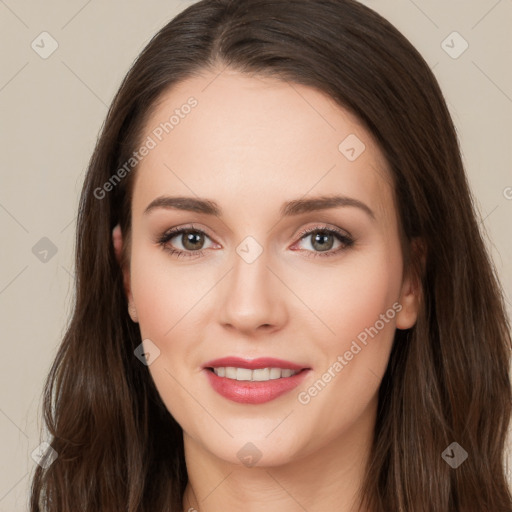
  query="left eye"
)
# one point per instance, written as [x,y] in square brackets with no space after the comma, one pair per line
[323,240]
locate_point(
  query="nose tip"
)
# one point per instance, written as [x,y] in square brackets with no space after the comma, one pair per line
[251,300]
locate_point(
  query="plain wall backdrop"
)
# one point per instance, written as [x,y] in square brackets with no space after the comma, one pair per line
[62,62]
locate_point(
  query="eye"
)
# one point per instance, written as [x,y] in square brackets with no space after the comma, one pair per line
[322,240]
[190,239]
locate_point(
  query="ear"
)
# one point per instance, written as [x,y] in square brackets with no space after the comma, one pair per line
[411,293]
[117,240]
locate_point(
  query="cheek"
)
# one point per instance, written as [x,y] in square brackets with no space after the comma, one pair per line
[357,303]
[361,311]
[350,295]
[167,298]
[164,291]
[369,289]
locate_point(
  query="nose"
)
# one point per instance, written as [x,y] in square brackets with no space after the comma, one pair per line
[253,298]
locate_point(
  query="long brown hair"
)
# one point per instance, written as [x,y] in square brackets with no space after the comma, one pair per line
[118,447]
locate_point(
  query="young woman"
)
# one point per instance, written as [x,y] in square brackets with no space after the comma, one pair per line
[283,300]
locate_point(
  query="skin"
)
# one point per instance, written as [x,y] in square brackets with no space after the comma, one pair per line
[250,145]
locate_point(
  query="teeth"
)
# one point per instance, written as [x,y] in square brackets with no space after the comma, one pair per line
[275,373]
[259,375]
[243,374]
[230,372]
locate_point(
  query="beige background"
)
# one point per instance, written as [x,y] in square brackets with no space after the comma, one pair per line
[52,110]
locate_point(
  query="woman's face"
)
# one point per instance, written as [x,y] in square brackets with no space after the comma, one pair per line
[248,283]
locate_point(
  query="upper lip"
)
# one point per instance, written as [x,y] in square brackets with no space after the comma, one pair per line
[253,364]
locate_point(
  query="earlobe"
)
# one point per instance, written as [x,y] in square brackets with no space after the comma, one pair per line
[410,302]
[131,310]
[411,293]
[117,241]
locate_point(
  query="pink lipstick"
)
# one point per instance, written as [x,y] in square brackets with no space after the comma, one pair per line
[253,381]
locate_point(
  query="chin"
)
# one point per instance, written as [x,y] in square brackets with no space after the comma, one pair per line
[253,451]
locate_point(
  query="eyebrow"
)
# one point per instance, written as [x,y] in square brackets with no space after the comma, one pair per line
[288,209]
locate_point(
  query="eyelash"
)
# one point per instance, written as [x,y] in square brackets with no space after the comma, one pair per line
[346,241]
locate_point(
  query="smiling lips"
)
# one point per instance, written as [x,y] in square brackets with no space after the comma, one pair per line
[253,381]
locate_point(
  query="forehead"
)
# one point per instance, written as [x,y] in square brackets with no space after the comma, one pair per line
[259,140]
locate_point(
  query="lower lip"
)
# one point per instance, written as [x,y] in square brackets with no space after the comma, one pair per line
[254,392]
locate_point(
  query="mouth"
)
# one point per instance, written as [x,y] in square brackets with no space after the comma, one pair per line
[254,364]
[253,381]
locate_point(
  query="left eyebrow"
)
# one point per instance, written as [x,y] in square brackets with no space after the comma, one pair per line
[299,206]
[288,209]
